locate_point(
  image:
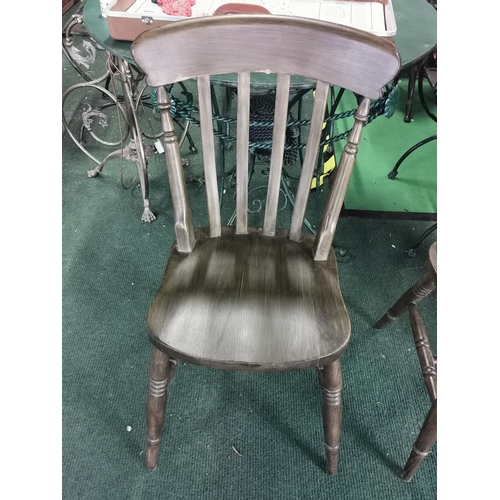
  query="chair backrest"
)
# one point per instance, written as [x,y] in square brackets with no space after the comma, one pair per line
[328,53]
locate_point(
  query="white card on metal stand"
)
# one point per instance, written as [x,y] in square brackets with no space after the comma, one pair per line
[159,146]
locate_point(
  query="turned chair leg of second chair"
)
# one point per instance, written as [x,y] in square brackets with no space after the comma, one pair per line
[428,433]
[414,295]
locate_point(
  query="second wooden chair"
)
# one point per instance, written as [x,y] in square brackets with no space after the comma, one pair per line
[408,302]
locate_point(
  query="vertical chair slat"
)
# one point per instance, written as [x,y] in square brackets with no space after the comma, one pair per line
[279,132]
[324,236]
[209,166]
[242,131]
[184,231]
[311,155]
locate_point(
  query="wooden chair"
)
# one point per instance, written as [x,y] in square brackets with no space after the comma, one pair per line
[408,302]
[245,298]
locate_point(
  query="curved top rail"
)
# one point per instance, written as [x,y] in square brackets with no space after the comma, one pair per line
[339,55]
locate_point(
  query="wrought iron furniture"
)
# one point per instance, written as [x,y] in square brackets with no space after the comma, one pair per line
[413,250]
[256,298]
[408,302]
[120,87]
[427,73]
[415,75]
[116,70]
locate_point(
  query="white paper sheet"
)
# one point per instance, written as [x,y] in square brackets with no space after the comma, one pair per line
[368,16]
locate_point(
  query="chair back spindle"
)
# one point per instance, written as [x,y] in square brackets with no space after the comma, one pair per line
[279,135]
[324,52]
[324,236]
[312,150]
[242,139]
[183,221]
[209,166]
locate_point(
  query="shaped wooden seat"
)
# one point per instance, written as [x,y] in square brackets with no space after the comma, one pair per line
[256,299]
[250,301]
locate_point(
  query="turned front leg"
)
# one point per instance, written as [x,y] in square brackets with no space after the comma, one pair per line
[414,295]
[160,373]
[330,377]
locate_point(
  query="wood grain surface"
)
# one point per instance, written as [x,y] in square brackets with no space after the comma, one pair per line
[250,302]
[319,50]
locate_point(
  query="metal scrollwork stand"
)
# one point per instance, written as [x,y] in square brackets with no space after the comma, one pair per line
[135,151]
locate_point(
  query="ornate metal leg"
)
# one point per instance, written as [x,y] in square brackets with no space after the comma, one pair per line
[423,444]
[160,373]
[128,153]
[414,295]
[412,80]
[136,145]
[412,252]
[392,174]
[430,74]
[96,171]
[330,377]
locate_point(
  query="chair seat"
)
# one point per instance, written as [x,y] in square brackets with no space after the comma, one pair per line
[250,302]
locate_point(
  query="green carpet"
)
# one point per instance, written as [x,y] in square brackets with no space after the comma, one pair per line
[235,435]
[112,265]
